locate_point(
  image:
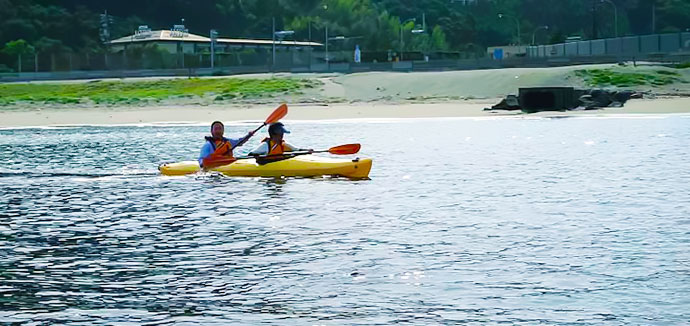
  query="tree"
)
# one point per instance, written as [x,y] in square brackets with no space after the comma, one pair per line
[51,46]
[674,15]
[18,47]
[438,39]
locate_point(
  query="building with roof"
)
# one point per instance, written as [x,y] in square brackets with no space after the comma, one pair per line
[179,40]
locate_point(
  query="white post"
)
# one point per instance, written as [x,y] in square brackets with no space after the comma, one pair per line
[273,37]
[213,47]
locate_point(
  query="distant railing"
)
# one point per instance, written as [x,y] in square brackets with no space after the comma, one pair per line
[663,46]
[137,64]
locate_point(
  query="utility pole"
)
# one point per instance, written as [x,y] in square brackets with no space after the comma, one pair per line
[273,37]
[106,20]
[213,35]
[653,16]
[594,19]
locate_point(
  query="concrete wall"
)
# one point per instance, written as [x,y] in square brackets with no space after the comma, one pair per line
[630,45]
[669,42]
[614,46]
[571,49]
[627,46]
[685,41]
[649,43]
[598,47]
[584,48]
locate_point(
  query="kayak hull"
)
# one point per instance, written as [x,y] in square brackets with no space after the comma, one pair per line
[299,166]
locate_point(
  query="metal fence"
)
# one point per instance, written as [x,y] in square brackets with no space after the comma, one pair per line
[643,46]
[151,62]
[151,58]
[317,67]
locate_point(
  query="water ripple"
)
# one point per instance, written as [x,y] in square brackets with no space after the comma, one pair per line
[464,221]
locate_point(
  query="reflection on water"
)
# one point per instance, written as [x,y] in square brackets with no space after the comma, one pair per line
[517,221]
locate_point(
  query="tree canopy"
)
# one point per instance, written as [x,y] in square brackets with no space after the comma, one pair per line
[63,25]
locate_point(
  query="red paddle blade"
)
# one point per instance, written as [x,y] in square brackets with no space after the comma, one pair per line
[345,149]
[277,114]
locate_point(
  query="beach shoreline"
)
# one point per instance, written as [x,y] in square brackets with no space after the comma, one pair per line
[307,112]
[370,95]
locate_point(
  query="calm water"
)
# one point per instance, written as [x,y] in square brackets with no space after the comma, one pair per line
[577,221]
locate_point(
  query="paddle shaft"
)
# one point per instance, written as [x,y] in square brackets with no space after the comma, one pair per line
[241,142]
[337,150]
[280,155]
[277,114]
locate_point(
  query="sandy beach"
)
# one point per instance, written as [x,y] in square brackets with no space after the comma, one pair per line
[362,96]
[475,108]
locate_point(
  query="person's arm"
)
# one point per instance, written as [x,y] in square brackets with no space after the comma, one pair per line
[292,148]
[206,150]
[262,149]
[240,141]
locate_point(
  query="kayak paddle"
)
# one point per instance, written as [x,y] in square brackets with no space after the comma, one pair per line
[276,115]
[337,150]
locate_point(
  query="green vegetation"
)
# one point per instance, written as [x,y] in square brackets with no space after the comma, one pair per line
[75,26]
[683,65]
[133,93]
[610,77]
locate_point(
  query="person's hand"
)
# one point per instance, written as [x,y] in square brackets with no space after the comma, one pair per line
[251,133]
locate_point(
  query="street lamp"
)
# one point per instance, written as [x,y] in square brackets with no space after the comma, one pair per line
[280,35]
[516,21]
[421,31]
[536,30]
[615,14]
[402,44]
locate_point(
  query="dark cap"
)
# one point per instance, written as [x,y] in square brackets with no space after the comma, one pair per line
[277,128]
[217,122]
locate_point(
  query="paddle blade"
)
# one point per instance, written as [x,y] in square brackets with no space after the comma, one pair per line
[277,114]
[345,149]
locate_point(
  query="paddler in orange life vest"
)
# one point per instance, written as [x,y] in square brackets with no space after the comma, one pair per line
[218,147]
[274,144]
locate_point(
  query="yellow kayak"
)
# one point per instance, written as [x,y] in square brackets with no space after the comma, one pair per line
[299,166]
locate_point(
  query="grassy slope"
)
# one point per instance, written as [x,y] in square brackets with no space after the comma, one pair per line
[422,87]
[134,92]
[618,78]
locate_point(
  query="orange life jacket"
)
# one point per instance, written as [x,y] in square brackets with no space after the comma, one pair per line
[273,148]
[222,153]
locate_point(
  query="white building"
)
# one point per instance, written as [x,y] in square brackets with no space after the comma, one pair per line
[179,40]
